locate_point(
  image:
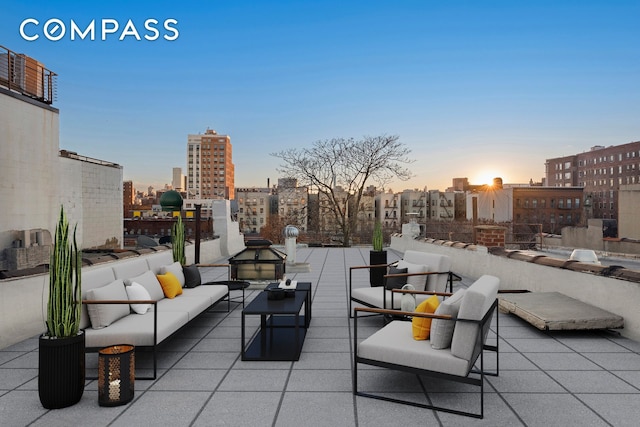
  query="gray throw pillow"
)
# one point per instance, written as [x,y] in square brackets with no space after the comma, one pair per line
[102,315]
[441,329]
[396,282]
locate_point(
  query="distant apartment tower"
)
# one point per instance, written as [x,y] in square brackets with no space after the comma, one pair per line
[128,198]
[210,170]
[600,171]
[178,181]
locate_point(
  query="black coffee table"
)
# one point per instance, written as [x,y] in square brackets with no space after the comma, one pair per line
[282,325]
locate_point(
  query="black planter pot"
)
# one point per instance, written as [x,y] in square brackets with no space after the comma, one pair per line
[61,371]
[376,274]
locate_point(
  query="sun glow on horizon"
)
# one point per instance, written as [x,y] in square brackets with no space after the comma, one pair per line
[485,177]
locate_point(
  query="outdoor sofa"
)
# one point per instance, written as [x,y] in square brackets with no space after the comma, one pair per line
[112,313]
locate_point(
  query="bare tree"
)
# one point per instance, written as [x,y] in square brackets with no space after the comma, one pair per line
[340,170]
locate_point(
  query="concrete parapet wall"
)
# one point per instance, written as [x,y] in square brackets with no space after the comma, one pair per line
[542,274]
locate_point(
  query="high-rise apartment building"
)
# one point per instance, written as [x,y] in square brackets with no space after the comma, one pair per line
[178,180]
[600,171]
[128,198]
[210,170]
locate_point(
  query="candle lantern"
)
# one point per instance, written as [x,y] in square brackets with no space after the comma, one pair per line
[116,375]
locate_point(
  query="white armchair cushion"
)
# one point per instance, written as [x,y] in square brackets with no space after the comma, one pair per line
[475,304]
[441,329]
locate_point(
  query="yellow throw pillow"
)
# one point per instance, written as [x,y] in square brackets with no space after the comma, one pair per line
[170,284]
[422,325]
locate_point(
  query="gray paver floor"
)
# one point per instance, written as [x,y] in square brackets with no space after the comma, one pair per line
[585,378]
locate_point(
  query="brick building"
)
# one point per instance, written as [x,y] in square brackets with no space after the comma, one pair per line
[210,170]
[600,171]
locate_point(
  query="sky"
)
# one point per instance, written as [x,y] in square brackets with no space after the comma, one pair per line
[474,89]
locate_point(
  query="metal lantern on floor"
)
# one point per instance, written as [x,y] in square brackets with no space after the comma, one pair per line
[116,375]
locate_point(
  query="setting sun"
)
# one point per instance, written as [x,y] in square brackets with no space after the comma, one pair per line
[485,177]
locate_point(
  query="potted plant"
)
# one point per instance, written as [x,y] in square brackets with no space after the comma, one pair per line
[61,351]
[377,256]
[177,241]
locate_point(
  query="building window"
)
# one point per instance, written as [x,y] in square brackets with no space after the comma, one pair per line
[560,204]
[568,203]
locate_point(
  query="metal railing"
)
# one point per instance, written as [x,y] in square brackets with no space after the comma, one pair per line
[25,75]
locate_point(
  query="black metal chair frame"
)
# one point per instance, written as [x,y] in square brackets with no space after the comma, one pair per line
[478,353]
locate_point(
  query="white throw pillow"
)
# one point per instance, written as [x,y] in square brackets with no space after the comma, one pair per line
[136,291]
[102,315]
[418,282]
[176,269]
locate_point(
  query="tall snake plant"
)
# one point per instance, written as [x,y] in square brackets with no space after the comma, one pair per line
[377,237]
[64,305]
[177,241]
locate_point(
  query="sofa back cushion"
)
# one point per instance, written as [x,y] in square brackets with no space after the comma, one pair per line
[130,268]
[156,261]
[476,301]
[174,268]
[150,282]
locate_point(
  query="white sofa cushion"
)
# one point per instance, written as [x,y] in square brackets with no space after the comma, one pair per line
[442,329]
[135,291]
[476,302]
[150,283]
[176,269]
[103,315]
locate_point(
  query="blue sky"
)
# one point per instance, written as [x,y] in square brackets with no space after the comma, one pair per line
[474,88]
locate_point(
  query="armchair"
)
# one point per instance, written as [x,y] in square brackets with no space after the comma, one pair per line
[425,271]
[457,343]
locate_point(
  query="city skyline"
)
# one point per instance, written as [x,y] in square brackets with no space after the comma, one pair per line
[474,90]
